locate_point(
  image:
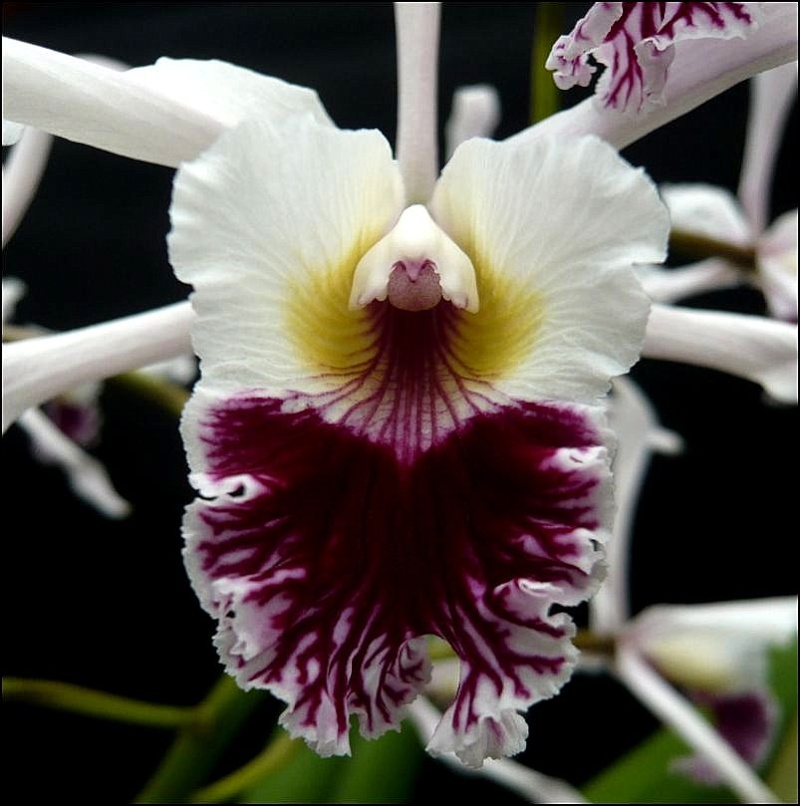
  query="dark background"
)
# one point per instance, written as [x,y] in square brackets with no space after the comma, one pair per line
[106,604]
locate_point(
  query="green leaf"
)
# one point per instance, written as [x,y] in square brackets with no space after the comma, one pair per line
[307,778]
[379,771]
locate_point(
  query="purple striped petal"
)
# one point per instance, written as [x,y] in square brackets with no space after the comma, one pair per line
[327,557]
[635,42]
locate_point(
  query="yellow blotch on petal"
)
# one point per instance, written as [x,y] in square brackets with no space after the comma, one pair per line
[488,345]
[331,338]
[491,344]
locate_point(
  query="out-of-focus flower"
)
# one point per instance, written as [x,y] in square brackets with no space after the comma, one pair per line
[718,654]
[714,213]
[72,422]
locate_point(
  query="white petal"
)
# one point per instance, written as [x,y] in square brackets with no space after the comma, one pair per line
[87,477]
[268,226]
[21,174]
[772,94]
[701,70]
[753,347]
[475,113]
[706,210]
[227,93]
[776,255]
[720,647]
[668,705]
[672,285]
[13,291]
[93,104]
[553,228]
[12,132]
[417,26]
[36,370]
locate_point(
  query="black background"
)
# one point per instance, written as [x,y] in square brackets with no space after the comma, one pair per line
[106,604]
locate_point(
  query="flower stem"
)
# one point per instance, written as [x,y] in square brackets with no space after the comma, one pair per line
[200,743]
[67,697]
[695,247]
[545,98]
[275,755]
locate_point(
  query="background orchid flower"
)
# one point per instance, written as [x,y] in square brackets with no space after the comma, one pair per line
[712,212]
[718,653]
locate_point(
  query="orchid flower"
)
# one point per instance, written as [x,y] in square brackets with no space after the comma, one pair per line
[711,212]
[423,359]
[718,653]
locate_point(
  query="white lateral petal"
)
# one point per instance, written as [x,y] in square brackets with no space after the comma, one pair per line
[668,705]
[38,369]
[87,477]
[772,94]
[22,172]
[701,70]
[267,221]
[752,347]
[707,210]
[561,223]
[93,104]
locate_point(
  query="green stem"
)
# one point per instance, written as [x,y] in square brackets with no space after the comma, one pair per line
[545,98]
[274,756]
[200,743]
[164,393]
[697,247]
[67,697]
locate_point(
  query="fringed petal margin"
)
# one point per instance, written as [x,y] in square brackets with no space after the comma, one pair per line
[636,44]
[326,561]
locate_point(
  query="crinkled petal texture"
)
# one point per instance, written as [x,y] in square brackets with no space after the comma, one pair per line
[635,42]
[371,476]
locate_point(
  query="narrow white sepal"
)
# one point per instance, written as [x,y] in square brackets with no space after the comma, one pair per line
[22,172]
[417,27]
[100,106]
[674,710]
[416,238]
[38,369]
[476,113]
[674,285]
[772,93]
[753,347]
[633,420]
[87,477]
